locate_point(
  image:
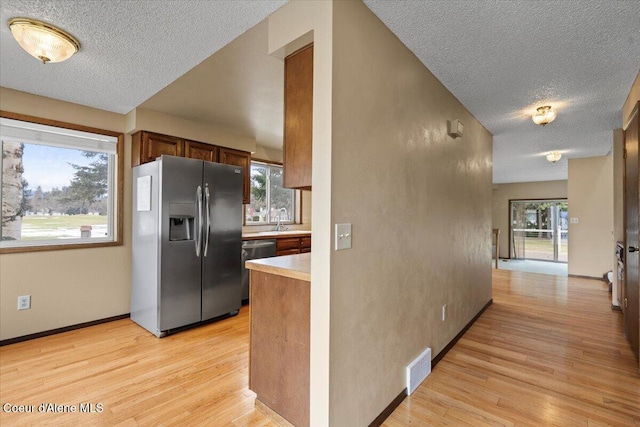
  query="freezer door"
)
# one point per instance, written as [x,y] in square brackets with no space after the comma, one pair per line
[221,266]
[144,254]
[180,273]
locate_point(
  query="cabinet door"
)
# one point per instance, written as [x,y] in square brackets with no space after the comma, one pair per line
[148,146]
[288,246]
[298,118]
[233,157]
[305,244]
[198,150]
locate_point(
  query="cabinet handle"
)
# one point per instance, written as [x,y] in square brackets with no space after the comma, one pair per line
[199,217]
[633,249]
[207,226]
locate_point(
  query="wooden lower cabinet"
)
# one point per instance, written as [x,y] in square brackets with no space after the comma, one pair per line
[279,345]
[305,244]
[292,245]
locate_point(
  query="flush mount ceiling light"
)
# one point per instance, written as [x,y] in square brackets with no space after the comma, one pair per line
[42,40]
[554,156]
[544,115]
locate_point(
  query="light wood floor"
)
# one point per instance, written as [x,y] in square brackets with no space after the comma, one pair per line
[196,377]
[548,352]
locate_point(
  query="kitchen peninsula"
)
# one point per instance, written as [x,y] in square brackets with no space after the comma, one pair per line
[279,352]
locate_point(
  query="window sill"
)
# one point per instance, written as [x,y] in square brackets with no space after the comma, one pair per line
[57,247]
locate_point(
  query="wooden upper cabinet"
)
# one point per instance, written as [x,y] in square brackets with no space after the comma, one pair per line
[229,156]
[198,150]
[298,118]
[148,146]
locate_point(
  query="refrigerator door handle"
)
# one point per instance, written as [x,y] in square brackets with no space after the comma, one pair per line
[208,219]
[199,216]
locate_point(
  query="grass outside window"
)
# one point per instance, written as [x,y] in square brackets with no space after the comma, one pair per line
[61,185]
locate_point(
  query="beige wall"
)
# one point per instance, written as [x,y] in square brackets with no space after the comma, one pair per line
[142,119]
[590,191]
[71,286]
[292,26]
[502,193]
[420,206]
[269,154]
[618,205]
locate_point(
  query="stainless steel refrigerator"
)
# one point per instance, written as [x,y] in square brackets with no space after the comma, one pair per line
[186,249]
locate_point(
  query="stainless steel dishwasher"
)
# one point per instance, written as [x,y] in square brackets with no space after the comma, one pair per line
[254,249]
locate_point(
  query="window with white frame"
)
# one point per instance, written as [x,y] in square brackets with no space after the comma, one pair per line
[269,199]
[59,186]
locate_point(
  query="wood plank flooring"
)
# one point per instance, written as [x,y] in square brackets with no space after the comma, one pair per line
[196,377]
[548,352]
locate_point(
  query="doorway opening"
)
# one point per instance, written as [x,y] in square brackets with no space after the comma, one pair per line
[539,230]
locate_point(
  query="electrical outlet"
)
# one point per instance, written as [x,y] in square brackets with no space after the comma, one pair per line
[24,302]
[444,312]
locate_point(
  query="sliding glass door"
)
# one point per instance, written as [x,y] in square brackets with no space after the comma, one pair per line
[539,229]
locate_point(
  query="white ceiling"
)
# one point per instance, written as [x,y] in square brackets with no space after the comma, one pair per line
[499,58]
[240,87]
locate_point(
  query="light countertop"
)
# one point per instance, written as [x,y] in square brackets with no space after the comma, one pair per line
[274,234]
[292,266]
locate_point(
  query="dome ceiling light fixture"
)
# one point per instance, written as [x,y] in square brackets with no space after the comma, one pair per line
[554,156]
[544,115]
[43,41]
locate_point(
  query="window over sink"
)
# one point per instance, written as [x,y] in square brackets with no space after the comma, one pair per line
[269,199]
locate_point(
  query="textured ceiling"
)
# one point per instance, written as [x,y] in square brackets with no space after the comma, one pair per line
[499,58]
[503,58]
[130,48]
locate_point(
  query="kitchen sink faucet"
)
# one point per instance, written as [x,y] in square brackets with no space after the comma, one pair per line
[279,224]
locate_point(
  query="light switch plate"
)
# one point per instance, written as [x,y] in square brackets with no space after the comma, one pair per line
[343,236]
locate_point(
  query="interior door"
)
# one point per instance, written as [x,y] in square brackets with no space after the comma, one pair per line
[631,201]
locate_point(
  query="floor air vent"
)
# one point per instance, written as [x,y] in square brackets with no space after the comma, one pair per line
[418,370]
